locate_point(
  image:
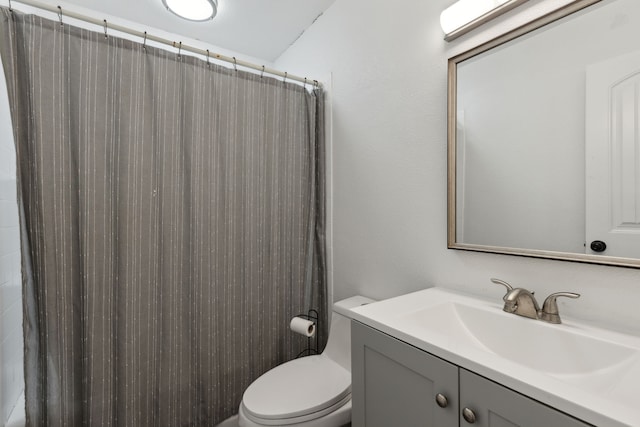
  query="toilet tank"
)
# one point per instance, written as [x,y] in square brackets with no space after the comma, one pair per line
[339,345]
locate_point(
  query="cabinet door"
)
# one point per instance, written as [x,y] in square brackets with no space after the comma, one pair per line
[497,406]
[395,384]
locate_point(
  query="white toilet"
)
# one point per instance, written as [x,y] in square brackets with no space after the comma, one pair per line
[313,391]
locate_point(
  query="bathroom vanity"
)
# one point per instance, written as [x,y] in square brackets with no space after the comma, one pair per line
[394,383]
[440,358]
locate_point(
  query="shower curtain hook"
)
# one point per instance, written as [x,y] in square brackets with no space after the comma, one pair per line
[105,29]
[208,63]
[10,8]
[316,84]
[285,77]
[180,50]
[144,42]
[304,85]
[60,15]
[262,72]
[235,64]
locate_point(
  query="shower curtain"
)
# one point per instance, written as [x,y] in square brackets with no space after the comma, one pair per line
[172,217]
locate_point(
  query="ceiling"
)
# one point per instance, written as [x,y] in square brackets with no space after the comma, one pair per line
[258,28]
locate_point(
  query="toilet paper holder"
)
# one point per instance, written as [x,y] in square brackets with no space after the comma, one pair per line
[314,316]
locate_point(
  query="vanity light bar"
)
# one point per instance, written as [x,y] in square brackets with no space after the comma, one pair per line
[465,15]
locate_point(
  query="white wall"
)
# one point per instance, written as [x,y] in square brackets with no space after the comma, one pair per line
[11,359]
[388,65]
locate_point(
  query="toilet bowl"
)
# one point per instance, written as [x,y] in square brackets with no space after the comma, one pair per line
[313,391]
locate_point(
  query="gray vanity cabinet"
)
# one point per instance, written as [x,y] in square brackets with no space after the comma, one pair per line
[396,384]
[496,406]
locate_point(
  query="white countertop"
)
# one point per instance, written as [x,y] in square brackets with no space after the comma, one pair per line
[608,395]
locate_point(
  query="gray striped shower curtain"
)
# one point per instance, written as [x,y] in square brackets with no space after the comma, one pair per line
[172,217]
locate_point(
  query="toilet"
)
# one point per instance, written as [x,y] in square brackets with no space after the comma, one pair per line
[312,391]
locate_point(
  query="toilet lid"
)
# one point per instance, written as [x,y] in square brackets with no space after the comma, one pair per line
[296,388]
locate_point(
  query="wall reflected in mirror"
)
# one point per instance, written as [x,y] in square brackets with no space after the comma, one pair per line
[545,139]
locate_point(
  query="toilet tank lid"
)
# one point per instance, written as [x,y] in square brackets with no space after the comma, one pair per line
[344,306]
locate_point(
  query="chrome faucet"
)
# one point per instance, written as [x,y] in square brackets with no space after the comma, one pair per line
[549,311]
[522,302]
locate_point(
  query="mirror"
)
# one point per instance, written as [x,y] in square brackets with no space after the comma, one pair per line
[544,138]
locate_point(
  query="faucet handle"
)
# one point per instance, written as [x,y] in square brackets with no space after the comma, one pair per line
[503,283]
[550,307]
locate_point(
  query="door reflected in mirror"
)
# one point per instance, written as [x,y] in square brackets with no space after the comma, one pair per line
[544,138]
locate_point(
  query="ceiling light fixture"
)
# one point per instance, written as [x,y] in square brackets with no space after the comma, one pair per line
[465,15]
[193,10]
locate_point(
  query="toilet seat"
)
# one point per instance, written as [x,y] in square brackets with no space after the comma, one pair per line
[300,390]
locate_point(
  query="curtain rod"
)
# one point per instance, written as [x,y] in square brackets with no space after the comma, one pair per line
[178,45]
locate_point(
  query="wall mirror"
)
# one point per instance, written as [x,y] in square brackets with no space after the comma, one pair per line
[544,138]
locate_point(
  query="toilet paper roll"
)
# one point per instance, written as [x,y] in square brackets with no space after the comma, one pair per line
[303,326]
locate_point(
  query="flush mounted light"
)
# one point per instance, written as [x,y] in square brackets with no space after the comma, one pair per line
[193,10]
[465,15]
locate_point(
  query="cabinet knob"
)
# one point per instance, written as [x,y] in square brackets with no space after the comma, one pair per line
[468,415]
[441,400]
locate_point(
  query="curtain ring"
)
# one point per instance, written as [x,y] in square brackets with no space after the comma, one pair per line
[285,77]
[235,64]
[144,42]
[105,29]
[262,72]
[59,15]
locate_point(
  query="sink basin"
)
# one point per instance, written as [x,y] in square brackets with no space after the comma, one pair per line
[589,372]
[553,349]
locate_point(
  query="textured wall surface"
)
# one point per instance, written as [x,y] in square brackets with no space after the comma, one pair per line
[387,62]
